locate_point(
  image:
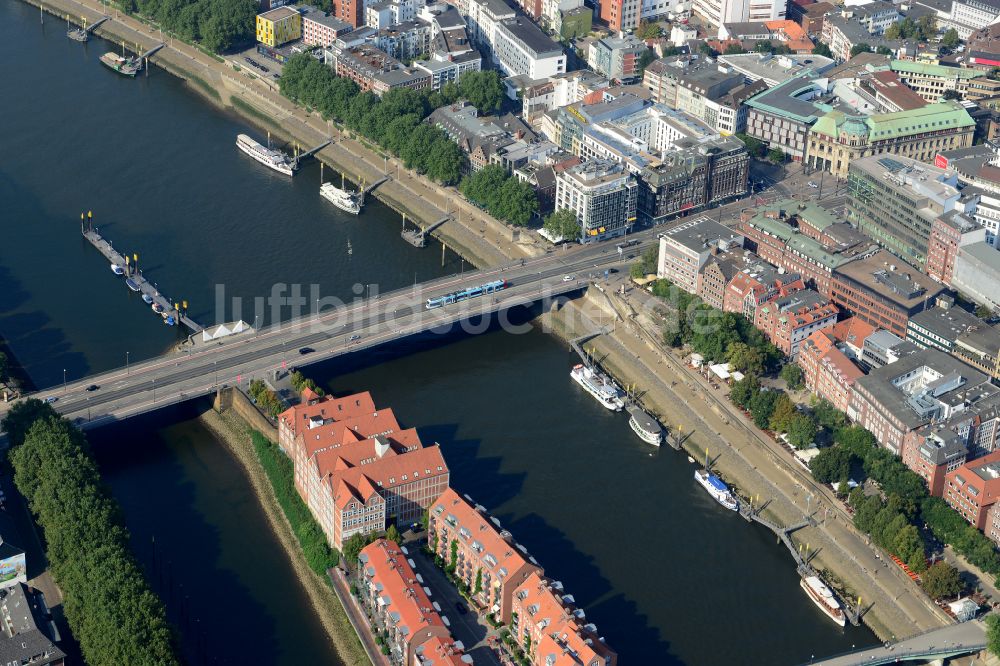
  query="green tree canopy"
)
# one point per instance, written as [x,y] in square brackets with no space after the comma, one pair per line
[801,431]
[484,90]
[392,534]
[831,465]
[754,146]
[860,48]
[782,414]
[648,30]
[823,50]
[744,358]
[793,376]
[942,580]
[563,224]
[993,634]
[762,406]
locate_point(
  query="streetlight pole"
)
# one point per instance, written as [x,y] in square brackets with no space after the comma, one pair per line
[126,363]
[64,381]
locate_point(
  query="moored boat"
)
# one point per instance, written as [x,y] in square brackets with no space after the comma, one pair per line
[599,386]
[147,299]
[644,425]
[345,200]
[157,308]
[823,598]
[121,64]
[716,488]
[117,270]
[131,284]
[169,320]
[275,159]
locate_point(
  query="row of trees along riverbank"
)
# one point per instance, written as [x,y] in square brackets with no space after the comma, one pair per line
[396,123]
[112,613]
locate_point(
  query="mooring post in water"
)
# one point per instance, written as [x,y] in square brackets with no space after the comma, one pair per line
[443,248]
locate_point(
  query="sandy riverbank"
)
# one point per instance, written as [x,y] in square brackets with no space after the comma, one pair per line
[229,429]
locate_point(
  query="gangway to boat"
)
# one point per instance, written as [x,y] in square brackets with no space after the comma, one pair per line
[418,237]
[82,34]
[309,153]
[150,52]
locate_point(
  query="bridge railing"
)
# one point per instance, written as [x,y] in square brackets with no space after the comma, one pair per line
[901,654]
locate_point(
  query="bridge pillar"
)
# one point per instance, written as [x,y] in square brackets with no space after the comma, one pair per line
[223,399]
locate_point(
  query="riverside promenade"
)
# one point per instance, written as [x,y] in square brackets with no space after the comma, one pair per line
[472,233]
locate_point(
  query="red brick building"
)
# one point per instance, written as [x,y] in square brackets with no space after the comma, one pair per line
[351,12]
[829,373]
[948,232]
[482,550]
[356,469]
[545,621]
[787,321]
[973,488]
[389,590]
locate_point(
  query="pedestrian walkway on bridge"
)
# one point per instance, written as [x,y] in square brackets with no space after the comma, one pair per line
[951,641]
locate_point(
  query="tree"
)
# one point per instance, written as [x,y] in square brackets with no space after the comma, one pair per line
[647,30]
[860,48]
[827,416]
[392,534]
[479,581]
[823,50]
[993,634]
[646,264]
[792,374]
[983,312]
[563,224]
[707,50]
[355,544]
[762,406]
[927,26]
[483,89]
[801,431]
[952,94]
[832,464]
[893,32]
[942,580]
[744,391]
[645,58]
[883,50]
[733,49]
[518,202]
[776,155]
[754,146]
[782,414]
[744,358]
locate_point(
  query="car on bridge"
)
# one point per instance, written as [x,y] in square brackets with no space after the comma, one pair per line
[49,400]
[306,350]
[353,338]
[93,387]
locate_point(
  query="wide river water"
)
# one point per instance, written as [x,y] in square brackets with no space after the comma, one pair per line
[667,575]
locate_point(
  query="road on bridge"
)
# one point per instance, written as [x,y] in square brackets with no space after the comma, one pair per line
[955,639]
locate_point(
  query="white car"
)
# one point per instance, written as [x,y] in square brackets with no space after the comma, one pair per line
[812,184]
[567,278]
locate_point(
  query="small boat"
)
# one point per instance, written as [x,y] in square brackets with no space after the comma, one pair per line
[690,459]
[823,598]
[157,308]
[644,425]
[147,299]
[345,200]
[716,488]
[169,320]
[117,270]
[121,64]
[131,284]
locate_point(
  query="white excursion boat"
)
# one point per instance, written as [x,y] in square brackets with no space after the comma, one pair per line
[269,157]
[644,425]
[823,598]
[117,270]
[599,386]
[716,488]
[345,200]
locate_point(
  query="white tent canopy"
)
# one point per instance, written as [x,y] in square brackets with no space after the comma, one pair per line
[223,330]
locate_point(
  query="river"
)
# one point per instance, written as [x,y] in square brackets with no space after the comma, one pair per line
[667,575]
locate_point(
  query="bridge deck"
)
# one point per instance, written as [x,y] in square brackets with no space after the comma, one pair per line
[950,641]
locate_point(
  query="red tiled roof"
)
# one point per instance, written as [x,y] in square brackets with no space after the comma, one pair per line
[328,408]
[441,652]
[853,331]
[385,564]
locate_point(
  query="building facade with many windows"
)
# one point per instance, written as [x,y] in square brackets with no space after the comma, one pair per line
[602,194]
[279,26]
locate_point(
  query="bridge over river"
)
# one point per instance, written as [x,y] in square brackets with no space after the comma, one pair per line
[951,641]
[199,370]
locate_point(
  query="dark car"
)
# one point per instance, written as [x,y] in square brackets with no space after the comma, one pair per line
[306,350]
[93,387]
[264,69]
[248,59]
[461,608]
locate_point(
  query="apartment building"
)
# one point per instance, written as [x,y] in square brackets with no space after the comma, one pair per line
[483,550]
[920,388]
[617,57]
[932,81]
[687,247]
[279,26]
[827,370]
[717,12]
[940,326]
[977,274]
[520,47]
[948,233]
[484,17]
[554,631]
[400,606]
[356,469]
[322,29]
[788,321]
[783,115]
[602,194]
[757,283]
[974,488]
[375,70]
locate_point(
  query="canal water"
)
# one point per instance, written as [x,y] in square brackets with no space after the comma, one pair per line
[668,576]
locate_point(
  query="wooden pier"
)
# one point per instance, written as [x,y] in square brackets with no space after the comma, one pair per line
[146,287]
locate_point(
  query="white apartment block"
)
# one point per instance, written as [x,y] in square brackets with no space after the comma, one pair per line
[520,47]
[603,196]
[717,12]
[483,18]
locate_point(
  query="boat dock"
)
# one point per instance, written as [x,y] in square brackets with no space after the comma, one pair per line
[82,34]
[416,237]
[309,153]
[852,612]
[146,287]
